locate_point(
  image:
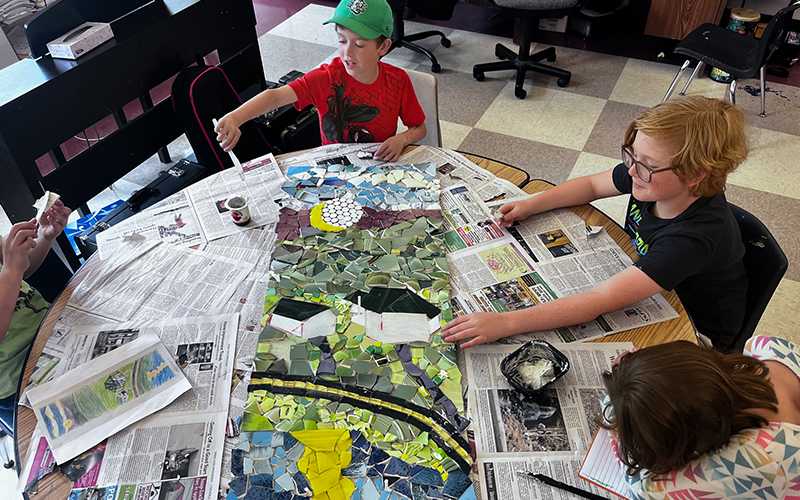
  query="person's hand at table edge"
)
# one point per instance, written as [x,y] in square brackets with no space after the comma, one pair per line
[477,328]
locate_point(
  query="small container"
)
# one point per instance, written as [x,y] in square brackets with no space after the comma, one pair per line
[239,210]
[532,352]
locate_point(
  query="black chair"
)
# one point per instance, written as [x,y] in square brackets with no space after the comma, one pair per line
[441,10]
[6,429]
[739,55]
[765,264]
[529,11]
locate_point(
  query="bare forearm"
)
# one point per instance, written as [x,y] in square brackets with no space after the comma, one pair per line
[38,254]
[566,311]
[573,192]
[263,103]
[10,282]
[415,134]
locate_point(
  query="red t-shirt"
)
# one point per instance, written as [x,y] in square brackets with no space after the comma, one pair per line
[350,111]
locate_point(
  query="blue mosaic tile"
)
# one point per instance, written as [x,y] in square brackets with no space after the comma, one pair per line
[427,476]
[301,482]
[261,480]
[377,456]
[356,455]
[402,487]
[361,443]
[397,467]
[456,484]
[289,441]
[238,485]
[283,495]
[258,493]
[355,470]
[418,491]
[262,438]
[469,494]
[434,493]
[277,439]
[237,462]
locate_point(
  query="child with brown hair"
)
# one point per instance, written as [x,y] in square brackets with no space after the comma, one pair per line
[675,160]
[690,422]
[359,98]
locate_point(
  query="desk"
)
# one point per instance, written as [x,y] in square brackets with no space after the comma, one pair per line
[57,486]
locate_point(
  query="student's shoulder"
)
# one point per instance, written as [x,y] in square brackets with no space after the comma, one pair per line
[393,72]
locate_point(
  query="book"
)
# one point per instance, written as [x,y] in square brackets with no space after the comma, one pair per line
[601,466]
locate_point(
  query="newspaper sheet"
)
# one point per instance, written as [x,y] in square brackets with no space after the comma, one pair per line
[454,168]
[198,214]
[204,349]
[160,282]
[358,154]
[162,457]
[81,408]
[564,257]
[549,433]
[467,221]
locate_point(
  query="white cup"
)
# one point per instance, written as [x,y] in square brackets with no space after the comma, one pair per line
[240,212]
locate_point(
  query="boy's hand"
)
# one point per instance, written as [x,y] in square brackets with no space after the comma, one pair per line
[391,148]
[512,212]
[476,328]
[17,246]
[228,132]
[54,221]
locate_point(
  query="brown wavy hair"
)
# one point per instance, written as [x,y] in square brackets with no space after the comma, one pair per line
[675,401]
[708,135]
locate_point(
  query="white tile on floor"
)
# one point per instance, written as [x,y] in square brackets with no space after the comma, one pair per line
[307,26]
[280,55]
[772,163]
[781,319]
[645,83]
[549,116]
[589,164]
[469,49]
[8,477]
[453,134]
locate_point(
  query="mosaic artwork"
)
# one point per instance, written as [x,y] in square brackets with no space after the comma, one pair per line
[382,186]
[355,396]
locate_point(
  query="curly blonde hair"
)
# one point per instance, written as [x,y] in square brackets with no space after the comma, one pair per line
[708,135]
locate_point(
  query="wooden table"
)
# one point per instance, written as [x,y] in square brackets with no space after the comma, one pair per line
[57,486]
[679,328]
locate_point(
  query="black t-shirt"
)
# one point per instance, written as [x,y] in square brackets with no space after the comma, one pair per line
[698,253]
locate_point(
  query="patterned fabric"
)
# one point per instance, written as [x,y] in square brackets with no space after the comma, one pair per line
[29,311]
[756,464]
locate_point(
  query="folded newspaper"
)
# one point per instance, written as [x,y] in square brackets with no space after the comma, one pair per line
[88,404]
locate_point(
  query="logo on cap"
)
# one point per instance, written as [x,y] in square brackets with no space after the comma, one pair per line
[357,7]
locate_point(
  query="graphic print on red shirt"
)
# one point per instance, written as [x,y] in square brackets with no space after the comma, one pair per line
[353,112]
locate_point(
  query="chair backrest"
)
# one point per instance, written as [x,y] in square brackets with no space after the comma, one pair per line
[426,86]
[775,33]
[765,264]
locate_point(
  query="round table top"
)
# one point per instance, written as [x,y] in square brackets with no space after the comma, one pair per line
[58,486]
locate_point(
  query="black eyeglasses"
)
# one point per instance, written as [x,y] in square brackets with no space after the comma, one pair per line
[644,172]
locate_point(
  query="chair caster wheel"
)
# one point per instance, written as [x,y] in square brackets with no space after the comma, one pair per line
[478,75]
[9,465]
[446,43]
[436,68]
[562,82]
[520,93]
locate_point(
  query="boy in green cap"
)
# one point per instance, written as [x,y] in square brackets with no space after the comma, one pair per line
[359,98]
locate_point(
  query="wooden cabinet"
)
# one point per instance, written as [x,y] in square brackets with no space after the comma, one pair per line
[677,18]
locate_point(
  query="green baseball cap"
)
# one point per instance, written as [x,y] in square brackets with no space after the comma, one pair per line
[367,18]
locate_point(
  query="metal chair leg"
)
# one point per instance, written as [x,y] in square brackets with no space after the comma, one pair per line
[732,92]
[697,70]
[675,80]
[763,92]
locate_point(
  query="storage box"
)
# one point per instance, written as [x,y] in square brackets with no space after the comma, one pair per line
[80,40]
[559,25]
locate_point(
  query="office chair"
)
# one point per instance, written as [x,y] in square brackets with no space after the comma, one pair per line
[529,11]
[427,89]
[765,264]
[739,55]
[442,10]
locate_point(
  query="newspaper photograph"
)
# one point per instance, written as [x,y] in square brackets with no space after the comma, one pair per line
[357,154]
[549,433]
[162,282]
[84,406]
[487,264]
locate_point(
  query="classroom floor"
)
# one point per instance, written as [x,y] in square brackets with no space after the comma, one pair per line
[554,134]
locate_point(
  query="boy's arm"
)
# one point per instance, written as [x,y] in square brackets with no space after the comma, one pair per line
[573,192]
[622,289]
[392,147]
[15,250]
[228,127]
